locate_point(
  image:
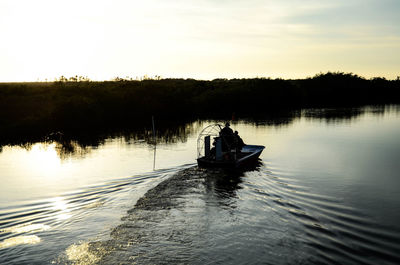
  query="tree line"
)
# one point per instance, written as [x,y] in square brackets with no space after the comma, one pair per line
[80,105]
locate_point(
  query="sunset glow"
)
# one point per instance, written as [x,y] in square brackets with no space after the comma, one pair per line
[198,39]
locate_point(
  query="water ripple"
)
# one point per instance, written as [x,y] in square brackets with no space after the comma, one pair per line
[19,224]
[338,233]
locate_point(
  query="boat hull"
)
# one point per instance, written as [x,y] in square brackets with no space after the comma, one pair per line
[249,155]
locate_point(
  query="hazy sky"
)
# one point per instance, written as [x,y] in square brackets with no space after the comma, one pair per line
[202,39]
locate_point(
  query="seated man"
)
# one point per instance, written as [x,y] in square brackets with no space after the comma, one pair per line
[238,141]
[227,130]
[227,137]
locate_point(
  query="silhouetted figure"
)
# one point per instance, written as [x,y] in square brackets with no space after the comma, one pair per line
[213,148]
[238,142]
[227,137]
[227,130]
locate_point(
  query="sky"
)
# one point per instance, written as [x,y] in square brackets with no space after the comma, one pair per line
[201,39]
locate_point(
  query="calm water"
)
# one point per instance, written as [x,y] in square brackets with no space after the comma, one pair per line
[327,191]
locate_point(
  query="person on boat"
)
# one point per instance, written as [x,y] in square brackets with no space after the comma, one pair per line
[238,141]
[227,130]
[227,136]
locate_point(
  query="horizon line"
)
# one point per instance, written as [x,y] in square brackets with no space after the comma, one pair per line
[81,78]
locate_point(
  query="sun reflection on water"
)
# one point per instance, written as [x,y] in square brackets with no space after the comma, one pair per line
[19,240]
[44,158]
[61,207]
[22,239]
[25,228]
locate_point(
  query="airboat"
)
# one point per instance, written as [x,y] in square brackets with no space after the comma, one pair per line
[219,154]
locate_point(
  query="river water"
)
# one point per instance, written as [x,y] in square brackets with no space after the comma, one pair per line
[326,191]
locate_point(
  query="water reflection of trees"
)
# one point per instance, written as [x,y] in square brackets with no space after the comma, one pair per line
[66,149]
[328,115]
[167,132]
[79,145]
[337,115]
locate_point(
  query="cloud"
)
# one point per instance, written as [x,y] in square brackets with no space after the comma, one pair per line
[368,17]
[103,39]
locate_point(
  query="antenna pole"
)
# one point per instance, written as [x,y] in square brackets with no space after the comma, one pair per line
[155,142]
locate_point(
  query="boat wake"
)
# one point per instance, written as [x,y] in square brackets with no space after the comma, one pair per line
[203,216]
[50,225]
[156,229]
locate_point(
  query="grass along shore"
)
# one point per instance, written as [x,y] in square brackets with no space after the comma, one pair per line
[40,108]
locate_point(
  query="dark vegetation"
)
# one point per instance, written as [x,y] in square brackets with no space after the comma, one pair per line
[79,106]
